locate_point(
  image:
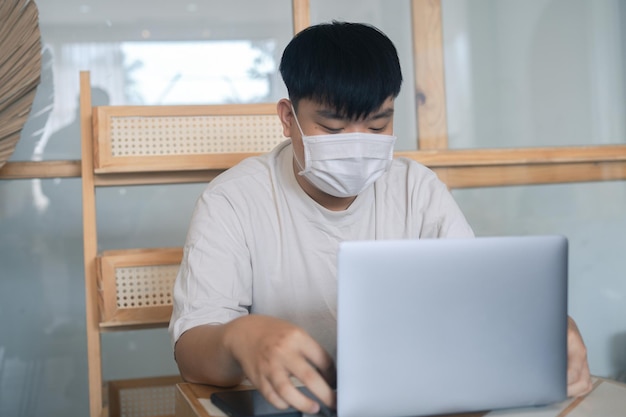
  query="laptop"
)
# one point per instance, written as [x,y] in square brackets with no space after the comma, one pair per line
[437,326]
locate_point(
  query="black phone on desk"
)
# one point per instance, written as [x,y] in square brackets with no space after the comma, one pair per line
[249,403]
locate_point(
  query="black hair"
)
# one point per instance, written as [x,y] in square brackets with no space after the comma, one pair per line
[351,67]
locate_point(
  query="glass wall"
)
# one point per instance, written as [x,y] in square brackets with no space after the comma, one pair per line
[138,52]
[533,73]
[393,18]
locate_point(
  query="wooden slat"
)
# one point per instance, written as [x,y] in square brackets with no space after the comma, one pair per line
[107,289]
[432,158]
[301,15]
[156,381]
[185,110]
[155,178]
[19,170]
[90,245]
[517,156]
[141,318]
[120,258]
[494,176]
[429,74]
[171,163]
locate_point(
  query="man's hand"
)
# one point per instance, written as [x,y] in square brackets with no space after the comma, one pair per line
[578,376]
[270,351]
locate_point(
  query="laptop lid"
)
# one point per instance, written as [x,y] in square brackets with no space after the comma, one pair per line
[451,325]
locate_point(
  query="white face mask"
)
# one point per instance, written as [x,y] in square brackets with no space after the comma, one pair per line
[344,164]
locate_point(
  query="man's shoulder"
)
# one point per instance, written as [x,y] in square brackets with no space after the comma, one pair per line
[251,172]
[410,169]
[411,177]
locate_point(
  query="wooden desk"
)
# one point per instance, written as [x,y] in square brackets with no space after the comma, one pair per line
[608,399]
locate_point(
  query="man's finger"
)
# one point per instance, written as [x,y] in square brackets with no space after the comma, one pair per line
[294,397]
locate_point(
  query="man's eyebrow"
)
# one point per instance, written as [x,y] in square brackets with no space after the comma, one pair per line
[329,114]
[388,112]
[332,114]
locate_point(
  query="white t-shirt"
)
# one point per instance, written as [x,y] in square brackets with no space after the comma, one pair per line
[258,243]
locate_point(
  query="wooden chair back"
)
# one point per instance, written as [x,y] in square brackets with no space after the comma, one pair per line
[132,288]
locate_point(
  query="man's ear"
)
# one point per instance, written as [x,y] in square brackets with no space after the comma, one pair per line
[285,114]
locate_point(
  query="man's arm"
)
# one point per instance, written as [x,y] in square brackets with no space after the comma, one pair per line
[202,357]
[578,375]
[266,350]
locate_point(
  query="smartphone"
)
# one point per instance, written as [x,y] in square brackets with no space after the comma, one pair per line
[249,403]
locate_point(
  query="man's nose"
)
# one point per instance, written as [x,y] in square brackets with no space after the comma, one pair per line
[355,128]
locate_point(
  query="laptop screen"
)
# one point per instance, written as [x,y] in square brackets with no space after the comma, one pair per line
[451,325]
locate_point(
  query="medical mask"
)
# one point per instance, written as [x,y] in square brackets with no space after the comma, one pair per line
[344,164]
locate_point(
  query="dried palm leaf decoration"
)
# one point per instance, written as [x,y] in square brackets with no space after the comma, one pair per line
[20,69]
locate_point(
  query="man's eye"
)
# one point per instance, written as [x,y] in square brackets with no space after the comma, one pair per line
[378,129]
[331,129]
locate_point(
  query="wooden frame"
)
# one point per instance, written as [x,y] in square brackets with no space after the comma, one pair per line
[488,167]
[126,289]
[301,14]
[106,162]
[458,168]
[90,251]
[429,75]
[462,168]
[118,388]
[111,313]
[503,167]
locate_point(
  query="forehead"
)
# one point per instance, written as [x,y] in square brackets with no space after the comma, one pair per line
[326,111]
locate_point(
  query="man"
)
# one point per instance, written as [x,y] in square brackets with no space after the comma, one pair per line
[256,293]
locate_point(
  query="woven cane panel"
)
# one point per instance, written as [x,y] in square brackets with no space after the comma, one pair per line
[148,401]
[145,286]
[191,135]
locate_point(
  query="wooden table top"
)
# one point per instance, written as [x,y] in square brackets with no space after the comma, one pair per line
[608,399]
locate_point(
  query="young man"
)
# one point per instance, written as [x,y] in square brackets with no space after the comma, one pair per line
[256,293]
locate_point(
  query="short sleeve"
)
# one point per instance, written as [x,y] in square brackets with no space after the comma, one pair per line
[213,284]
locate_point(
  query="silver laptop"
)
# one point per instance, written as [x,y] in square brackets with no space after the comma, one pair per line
[451,325]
